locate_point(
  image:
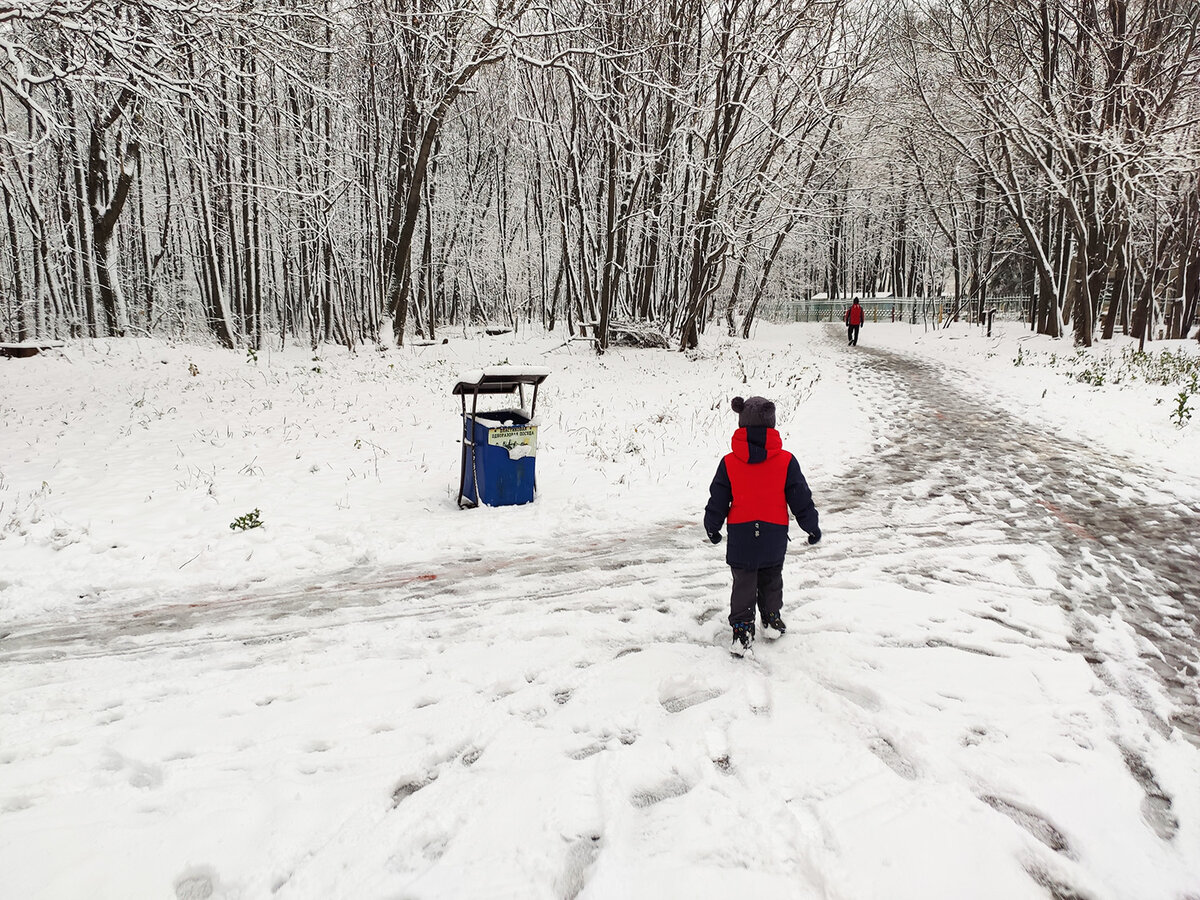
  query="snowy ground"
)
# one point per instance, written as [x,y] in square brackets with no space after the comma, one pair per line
[379,695]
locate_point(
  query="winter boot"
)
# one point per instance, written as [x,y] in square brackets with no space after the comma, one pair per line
[743,638]
[773,626]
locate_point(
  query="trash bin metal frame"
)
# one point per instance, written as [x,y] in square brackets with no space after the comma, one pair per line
[492,381]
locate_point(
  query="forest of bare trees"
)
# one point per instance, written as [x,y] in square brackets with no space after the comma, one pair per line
[332,170]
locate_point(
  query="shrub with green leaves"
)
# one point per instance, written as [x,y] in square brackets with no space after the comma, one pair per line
[1166,367]
[246,522]
[1182,413]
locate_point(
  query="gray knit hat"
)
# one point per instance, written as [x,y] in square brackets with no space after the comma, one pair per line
[757,412]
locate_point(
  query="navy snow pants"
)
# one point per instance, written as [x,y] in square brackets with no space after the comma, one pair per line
[755,587]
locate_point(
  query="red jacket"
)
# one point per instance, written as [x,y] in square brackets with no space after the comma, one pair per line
[758,483]
[754,488]
[854,315]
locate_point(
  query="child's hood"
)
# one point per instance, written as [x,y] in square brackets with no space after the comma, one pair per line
[755,445]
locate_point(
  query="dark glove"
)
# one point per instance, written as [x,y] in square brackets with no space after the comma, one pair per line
[715,537]
[814,537]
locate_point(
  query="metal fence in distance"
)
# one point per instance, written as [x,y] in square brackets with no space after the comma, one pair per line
[894,309]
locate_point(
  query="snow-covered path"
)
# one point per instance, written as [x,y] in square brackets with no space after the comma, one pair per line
[954,712]
[1126,543]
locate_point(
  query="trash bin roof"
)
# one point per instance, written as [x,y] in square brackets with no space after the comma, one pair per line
[499,379]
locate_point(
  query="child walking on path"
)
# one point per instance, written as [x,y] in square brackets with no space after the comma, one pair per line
[753,489]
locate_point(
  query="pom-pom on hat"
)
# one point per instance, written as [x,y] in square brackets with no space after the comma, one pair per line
[756,412]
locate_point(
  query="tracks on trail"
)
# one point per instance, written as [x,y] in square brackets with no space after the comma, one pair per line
[1126,545]
[254,617]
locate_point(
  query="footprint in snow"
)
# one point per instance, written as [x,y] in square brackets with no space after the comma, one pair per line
[195,884]
[717,745]
[679,704]
[679,692]
[435,847]
[1157,805]
[585,752]
[975,735]
[580,855]
[673,787]
[1033,822]
[891,757]
[16,804]
[860,696]
[111,716]
[142,775]
[758,694]
[1054,886]
[406,789]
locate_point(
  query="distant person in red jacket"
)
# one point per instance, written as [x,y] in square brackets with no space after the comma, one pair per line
[753,489]
[854,320]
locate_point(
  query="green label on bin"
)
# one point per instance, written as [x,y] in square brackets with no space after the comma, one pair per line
[519,441]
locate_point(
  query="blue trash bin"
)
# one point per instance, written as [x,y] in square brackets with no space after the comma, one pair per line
[503,450]
[499,448]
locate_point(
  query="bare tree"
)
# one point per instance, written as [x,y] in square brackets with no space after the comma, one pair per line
[1068,110]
